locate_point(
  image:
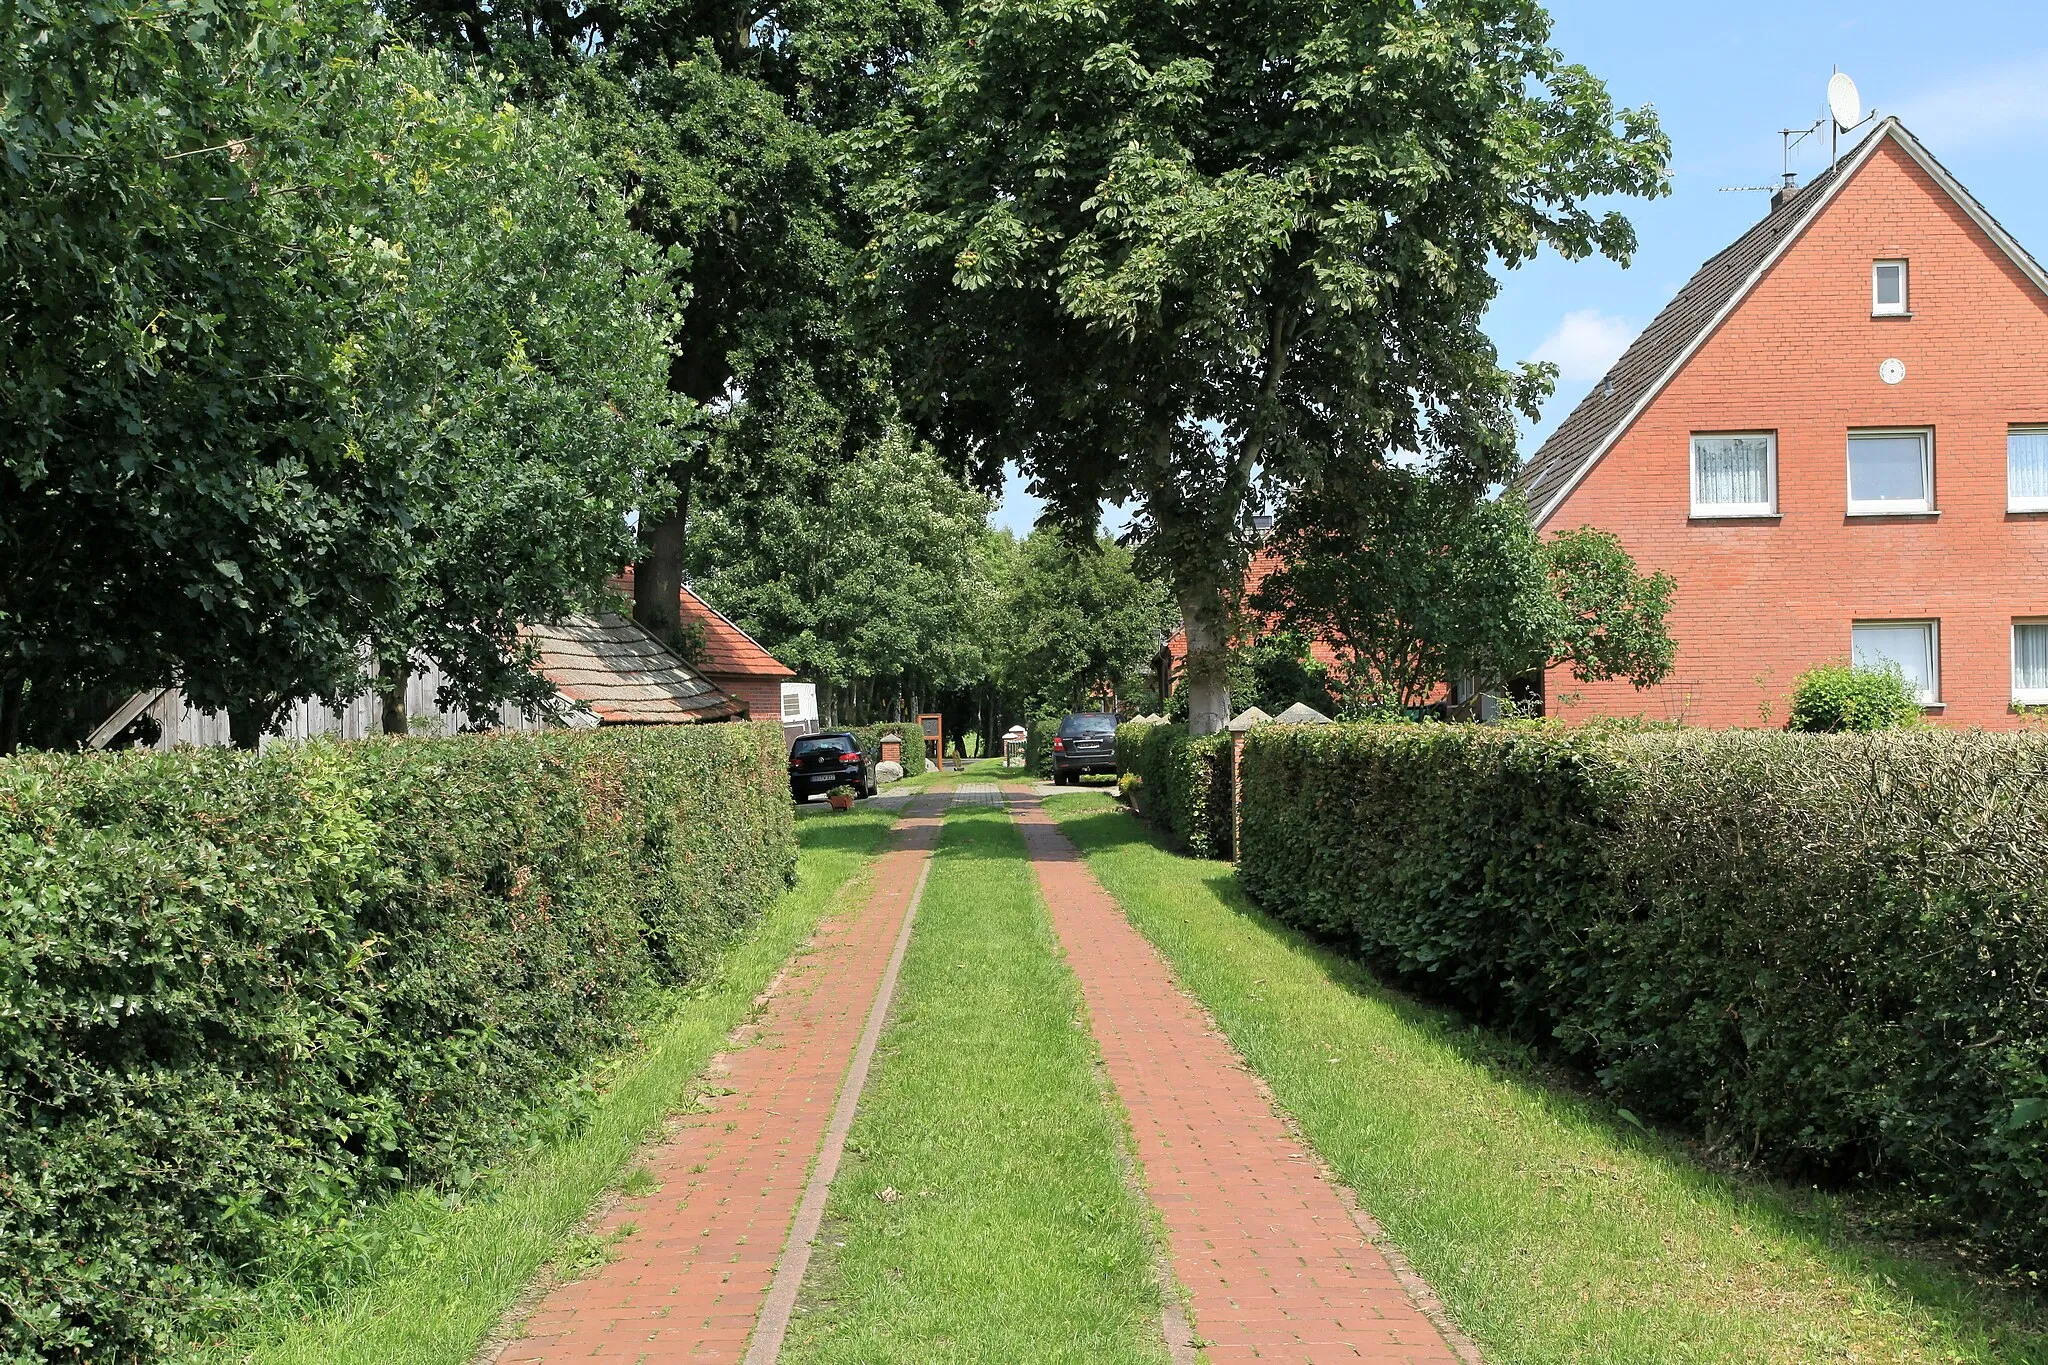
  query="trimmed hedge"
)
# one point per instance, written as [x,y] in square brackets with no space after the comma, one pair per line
[244,996]
[1828,951]
[1183,784]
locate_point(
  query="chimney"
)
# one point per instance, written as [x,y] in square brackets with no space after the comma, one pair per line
[1784,191]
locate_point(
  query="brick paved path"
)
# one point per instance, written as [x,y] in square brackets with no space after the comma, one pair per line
[1274,1263]
[689,1284]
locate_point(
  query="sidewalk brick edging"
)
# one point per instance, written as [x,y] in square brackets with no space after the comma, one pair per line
[1274,1263]
[690,1282]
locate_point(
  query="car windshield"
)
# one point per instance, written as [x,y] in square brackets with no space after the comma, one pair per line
[829,744]
[1074,726]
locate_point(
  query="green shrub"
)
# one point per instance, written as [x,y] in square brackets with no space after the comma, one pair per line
[244,996]
[1038,736]
[1835,698]
[1830,951]
[1183,784]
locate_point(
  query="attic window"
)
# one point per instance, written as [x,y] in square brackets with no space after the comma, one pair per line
[1888,289]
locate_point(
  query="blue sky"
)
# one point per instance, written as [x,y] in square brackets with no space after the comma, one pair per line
[1969,77]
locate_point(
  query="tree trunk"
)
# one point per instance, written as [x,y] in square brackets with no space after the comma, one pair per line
[391,692]
[246,725]
[11,693]
[658,577]
[1207,623]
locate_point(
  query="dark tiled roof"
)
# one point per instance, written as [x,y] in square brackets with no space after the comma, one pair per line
[1684,322]
[624,675]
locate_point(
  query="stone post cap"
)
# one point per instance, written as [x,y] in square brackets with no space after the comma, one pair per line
[1301,713]
[890,739]
[1246,719]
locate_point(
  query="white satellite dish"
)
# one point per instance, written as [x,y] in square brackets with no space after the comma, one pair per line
[1843,101]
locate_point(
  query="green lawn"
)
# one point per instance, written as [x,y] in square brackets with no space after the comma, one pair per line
[982,1214]
[433,1304]
[1552,1229]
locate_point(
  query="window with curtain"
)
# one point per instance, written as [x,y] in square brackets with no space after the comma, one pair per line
[2030,661]
[1890,472]
[1888,287]
[1734,476]
[1909,646]
[2026,469]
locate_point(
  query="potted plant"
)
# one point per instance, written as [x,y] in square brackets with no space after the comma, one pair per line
[841,797]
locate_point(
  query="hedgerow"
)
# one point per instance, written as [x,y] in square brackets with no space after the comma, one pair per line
[1183,783]
[1829,952]
[244,996]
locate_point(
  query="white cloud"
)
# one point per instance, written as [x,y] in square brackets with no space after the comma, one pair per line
[1585,344]
[2006,100]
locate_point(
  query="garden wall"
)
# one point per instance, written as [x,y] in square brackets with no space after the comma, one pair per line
[1181,784]
[1829,951]
[245,995]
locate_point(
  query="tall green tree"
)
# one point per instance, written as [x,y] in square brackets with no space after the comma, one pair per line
[1215,255]
[180,504]
[719,121]
[1078,619]
[514,357]
[877,579]
[1425,585]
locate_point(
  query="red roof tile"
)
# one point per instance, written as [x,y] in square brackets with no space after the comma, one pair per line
[728,650]
[624,675]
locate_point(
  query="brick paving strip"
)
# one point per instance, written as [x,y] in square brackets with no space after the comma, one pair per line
[1277,1263]
[693,1279]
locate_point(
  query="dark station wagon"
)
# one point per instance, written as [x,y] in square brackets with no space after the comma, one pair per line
[1086,743]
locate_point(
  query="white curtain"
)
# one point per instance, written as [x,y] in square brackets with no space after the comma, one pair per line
[2026,465]
[1906,646]
[1731,471]
[2030,658]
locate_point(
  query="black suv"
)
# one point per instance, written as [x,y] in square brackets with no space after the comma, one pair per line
[1086,743]
[818,763]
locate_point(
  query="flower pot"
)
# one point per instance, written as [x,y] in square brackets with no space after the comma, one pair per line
[841,802]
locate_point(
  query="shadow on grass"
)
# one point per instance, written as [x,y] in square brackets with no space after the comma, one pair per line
[841,832]
[1859,1234]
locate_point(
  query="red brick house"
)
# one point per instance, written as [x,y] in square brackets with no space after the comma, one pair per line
[1835,439]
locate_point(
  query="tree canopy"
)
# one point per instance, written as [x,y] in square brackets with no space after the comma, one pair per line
[1078,620]
[181,503]
[875,579]
[321,347]
[1211,256]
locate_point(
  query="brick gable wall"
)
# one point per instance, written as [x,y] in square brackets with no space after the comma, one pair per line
[1759,601]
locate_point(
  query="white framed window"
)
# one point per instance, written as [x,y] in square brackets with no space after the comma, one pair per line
[1888,288]
[1735,474]
[2030,662]
[2026,469]
[1891,472]
[1912,647]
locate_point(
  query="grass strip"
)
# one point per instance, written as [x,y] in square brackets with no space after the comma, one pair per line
[1552,1228]
[982,1214]
[467,1266]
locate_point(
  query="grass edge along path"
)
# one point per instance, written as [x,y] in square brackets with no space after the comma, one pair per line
[1551,1231]
[982,1212]
[438,1308]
